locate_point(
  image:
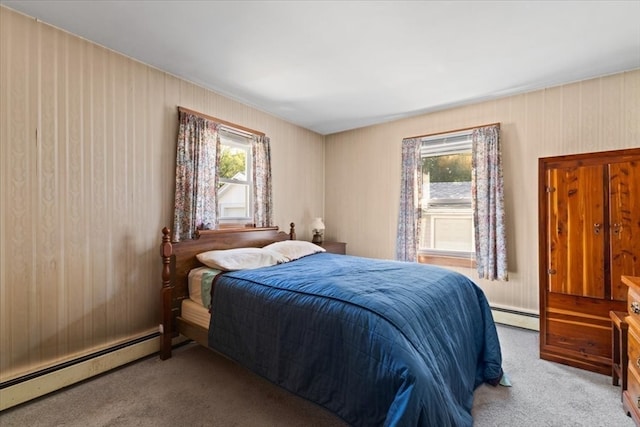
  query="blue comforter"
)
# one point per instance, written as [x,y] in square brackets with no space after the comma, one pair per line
[376,342]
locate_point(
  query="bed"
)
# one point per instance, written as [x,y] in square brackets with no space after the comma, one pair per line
[376,342]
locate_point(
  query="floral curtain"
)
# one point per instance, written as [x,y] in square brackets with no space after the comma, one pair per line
[410,195]
[487,193]
[197,157]
[262,193]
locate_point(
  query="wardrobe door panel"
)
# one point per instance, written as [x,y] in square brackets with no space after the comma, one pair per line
[624,206]
[576,230]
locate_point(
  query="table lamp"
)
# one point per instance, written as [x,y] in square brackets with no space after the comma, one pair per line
[318,230]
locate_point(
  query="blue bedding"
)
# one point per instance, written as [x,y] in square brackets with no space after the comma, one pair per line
[379,343]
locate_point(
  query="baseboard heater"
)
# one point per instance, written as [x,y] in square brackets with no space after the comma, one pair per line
[517,318]
[30,386]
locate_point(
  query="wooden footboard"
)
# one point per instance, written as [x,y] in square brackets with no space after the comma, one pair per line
[180,257]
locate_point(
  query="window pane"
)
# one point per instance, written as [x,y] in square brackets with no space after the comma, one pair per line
[233,201]
[449,230]
[452,233]
[233,163]
[447,219]
[234,175]
[447,177]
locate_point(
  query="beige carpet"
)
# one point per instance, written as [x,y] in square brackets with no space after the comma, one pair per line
[197,387]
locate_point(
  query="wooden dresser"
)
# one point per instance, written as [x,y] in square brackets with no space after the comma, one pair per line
[631,396]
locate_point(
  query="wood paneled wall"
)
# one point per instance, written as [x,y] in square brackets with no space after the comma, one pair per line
[363,167]
[87,157]
[87,140]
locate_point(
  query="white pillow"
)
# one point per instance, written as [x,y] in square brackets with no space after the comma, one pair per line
[240,258]
[294,249]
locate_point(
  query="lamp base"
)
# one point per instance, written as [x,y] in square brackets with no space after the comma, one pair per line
[317,238]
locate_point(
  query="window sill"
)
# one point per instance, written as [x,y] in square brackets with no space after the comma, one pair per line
[446,261]
[227,225]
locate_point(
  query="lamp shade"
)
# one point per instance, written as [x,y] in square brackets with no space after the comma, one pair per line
[317,224]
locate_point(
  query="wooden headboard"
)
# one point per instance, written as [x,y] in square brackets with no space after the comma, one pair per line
[180,257]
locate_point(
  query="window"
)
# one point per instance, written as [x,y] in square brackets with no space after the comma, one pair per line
[234,187]
[447,216]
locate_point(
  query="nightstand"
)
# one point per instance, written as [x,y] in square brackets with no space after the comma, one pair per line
[619,350]
[335,247]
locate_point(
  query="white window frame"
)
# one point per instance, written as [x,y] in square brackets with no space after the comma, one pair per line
[442,145]
[234,138]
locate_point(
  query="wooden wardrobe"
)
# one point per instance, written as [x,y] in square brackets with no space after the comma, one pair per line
[589,235]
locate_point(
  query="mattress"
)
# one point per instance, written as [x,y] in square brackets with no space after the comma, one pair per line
[196,308]
[200,280]
[195,313]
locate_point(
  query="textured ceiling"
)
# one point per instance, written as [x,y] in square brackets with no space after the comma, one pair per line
[331,66]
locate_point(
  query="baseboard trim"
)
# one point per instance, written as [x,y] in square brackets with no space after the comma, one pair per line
[517,319]
[38,386]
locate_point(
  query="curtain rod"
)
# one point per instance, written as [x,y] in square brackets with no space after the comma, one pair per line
[453,131]
[222,122]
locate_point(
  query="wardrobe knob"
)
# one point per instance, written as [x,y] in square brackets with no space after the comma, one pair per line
[616,228]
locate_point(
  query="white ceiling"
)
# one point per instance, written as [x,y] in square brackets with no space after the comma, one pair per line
[331,66]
